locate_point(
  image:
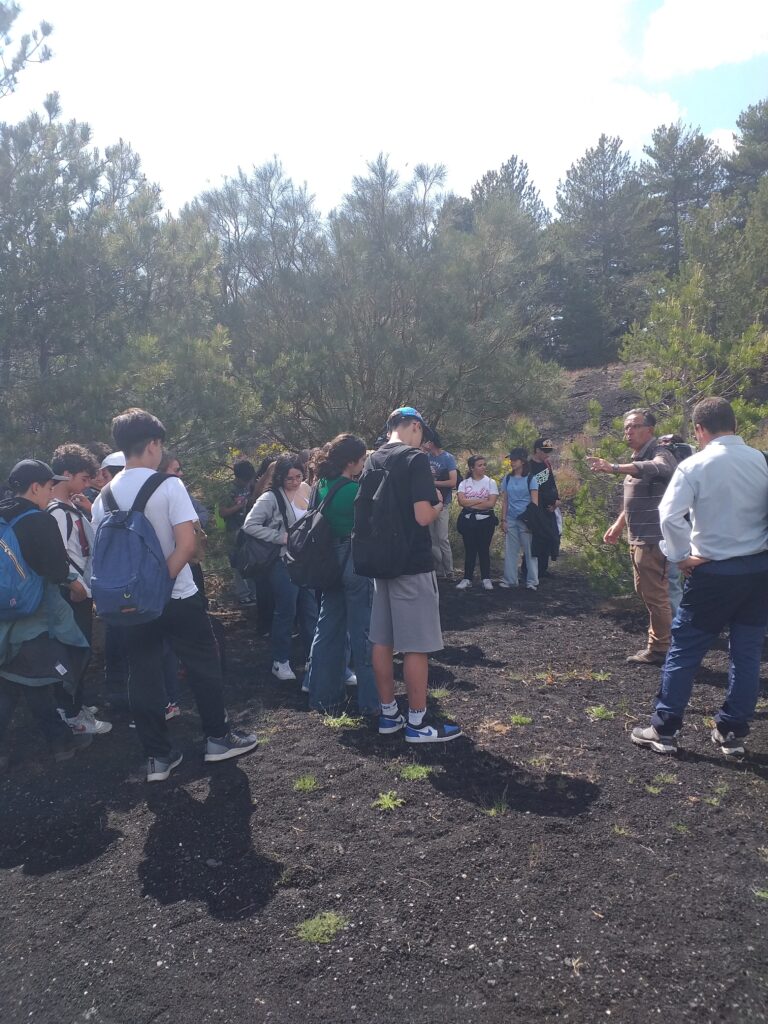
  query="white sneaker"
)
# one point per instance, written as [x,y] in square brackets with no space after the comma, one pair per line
[351,680]
[84,722]
[464,585]
[506,586]
[487,585]
[531,586]
[282,670]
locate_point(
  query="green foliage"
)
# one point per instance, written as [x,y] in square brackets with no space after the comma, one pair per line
[342,721]
[415,772]
[32,47]
[305,784]
[520,719]
[600,713]
[388,801]
[322,928]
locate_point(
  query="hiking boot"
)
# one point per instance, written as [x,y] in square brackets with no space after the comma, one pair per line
[646,657]
[649,737]
[283,671]
[159,768]
[80,741]
[487,585]
[172,710]
[389,724]
[432,730]
[85,722]
[730,744]
[464,584]
[234,744]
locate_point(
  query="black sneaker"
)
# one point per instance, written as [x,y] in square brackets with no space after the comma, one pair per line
[159,768]
[649,737]
[432,730]
[80,740]
[730,744]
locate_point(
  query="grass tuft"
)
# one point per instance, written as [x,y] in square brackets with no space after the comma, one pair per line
[520,719]
[622,830]
[654,790]
[389,801]
[665,779]
[498,808]
[415,772]
[719,792]
[321,928]
[342,721]
[761,894]
[600,713]
[681,829]
[305,784]
[440,693]
[600,677]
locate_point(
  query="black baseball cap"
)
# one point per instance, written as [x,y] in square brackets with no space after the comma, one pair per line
[543,444]
[31,471]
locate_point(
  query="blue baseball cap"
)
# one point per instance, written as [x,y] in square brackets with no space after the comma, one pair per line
[407,412]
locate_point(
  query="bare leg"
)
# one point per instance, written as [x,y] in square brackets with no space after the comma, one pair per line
[416,671]
[381,659]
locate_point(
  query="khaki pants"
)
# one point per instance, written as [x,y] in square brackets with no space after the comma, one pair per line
[651,583]
[442,555]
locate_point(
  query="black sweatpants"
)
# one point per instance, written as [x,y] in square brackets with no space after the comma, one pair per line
[186,626]
[83,612]
[477,535]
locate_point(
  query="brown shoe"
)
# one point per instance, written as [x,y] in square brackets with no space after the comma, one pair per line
[647,657]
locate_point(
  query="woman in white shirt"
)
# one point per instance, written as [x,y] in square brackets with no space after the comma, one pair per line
[477,494]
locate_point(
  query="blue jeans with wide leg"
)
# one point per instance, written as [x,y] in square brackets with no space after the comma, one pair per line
[291,602]
[345,609]
[731,593]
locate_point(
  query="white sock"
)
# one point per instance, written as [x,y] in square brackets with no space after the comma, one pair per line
[415,717]
[390,710]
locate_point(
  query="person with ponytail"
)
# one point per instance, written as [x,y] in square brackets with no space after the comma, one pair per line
[477,495]
[345,608]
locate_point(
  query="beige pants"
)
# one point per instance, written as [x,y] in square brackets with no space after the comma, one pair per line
[651,583]
[442,555]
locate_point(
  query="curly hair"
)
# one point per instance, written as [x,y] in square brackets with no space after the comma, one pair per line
[336,455]
[74,458]
[283,465]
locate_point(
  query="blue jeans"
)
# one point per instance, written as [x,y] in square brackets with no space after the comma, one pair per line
[345,609]
[518,538]
[290,602]
[731,593]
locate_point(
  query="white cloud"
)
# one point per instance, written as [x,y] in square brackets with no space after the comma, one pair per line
[683,36]
[723,137]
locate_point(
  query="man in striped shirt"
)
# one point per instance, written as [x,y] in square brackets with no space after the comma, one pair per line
[646,476]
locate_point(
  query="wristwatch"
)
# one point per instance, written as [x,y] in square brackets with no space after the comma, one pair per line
[615,467]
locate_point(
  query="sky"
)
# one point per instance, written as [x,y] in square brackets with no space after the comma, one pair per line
[201,89]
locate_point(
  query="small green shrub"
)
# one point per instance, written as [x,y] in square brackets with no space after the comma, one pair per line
[600,713]
[342,721]
[415,772]
[321,928]
[681,829]
[305,784]
[389,801]
[520,719]
[440,693]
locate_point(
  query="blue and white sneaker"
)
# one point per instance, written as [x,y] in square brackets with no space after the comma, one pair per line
[432,730]
[389,724]
[221,748]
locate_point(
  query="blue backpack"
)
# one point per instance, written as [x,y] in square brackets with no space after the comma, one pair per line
[130,582]
[21,590]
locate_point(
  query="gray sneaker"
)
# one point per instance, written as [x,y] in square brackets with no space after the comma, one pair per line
[220,748]
[649,737]
[159,768]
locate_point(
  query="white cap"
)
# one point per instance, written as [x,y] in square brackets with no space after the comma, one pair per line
[116,459]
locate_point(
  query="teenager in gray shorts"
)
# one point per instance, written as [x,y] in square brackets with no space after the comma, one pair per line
[406,609]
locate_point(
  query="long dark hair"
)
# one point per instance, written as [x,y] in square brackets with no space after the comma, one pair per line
[335,456]
[283,465]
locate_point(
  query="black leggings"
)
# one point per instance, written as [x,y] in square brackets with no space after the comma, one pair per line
[477,536]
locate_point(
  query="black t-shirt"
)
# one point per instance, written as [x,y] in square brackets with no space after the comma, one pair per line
[545,478]
[413,481]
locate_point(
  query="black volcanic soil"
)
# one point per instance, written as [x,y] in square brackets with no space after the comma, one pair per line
[540,872]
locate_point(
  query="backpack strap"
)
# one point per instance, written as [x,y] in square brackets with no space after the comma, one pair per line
[67,510]
[30,511]
[281,507]
[108,499]
[146,491]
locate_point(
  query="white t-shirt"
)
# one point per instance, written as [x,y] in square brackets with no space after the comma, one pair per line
[479,489]
[168,506]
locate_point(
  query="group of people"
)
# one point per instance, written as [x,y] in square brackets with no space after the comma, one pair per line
[704,517]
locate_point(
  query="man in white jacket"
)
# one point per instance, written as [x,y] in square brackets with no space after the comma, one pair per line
[714,519]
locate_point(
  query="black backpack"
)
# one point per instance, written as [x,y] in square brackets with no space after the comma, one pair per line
[381,539]
[310,556]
